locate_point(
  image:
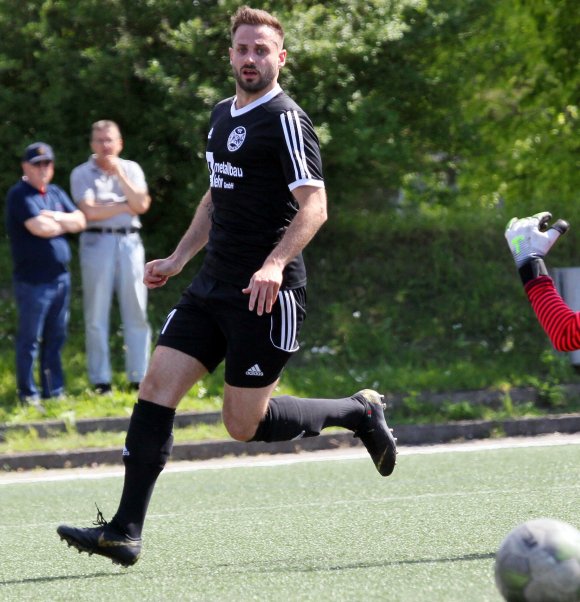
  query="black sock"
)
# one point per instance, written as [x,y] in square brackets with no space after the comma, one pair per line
[293,418]
[147,447]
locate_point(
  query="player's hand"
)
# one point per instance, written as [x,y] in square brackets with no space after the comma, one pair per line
[531,237]
[158,272]
[263,288]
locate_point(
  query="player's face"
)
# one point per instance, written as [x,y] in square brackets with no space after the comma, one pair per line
[256,58]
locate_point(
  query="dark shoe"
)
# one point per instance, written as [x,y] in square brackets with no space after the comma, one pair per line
[103,388]
[104,540]
[375,433]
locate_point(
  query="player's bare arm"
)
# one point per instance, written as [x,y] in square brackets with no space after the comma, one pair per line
[265,283]
[158,271]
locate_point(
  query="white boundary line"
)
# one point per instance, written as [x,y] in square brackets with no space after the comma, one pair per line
[37,476]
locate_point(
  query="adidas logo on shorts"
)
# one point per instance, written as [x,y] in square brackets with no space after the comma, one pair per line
[255,370]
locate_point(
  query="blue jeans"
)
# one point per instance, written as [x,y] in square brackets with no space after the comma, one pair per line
[43,312]
[114,264]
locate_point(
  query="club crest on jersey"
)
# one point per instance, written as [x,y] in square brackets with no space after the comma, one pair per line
[236,138]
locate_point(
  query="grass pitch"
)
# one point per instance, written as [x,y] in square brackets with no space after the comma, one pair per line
[313,531]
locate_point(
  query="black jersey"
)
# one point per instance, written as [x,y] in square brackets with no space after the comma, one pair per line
[256,156]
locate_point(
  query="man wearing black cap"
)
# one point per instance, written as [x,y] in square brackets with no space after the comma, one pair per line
[38,216]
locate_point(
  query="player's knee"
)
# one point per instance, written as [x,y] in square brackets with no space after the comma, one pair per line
[238,428]
[155,388]
[149,385]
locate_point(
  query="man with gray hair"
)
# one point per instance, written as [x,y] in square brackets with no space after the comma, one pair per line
[112,192]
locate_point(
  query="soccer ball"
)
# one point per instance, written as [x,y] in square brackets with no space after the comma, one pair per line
[539,561]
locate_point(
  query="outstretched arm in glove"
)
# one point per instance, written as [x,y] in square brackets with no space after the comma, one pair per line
[530,240]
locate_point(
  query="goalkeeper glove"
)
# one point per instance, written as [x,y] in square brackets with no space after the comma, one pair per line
[530,239]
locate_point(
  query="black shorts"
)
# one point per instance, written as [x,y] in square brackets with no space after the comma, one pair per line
[212,322]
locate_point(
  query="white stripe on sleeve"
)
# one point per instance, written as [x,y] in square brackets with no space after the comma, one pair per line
[292,129]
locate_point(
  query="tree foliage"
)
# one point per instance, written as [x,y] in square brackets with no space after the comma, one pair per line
[518,104]
[417,102]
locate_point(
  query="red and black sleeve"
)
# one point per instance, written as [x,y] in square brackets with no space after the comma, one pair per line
[561,323]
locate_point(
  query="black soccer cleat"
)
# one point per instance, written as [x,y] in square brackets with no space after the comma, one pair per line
[104,540]
[374,432]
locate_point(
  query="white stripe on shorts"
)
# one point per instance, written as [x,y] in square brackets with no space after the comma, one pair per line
[167,320]
[288,325]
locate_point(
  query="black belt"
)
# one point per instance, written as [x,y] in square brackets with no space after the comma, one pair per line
[113,230]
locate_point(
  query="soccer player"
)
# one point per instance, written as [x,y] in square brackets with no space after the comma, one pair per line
[529,240]
[265,202]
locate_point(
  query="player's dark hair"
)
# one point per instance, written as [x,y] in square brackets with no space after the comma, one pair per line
[255,16]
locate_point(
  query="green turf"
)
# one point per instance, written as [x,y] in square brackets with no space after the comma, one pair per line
[314,531]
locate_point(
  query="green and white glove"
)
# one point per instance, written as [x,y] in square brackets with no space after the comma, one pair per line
[531,238]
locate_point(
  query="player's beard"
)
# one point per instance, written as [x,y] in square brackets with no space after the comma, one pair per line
[261,81]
